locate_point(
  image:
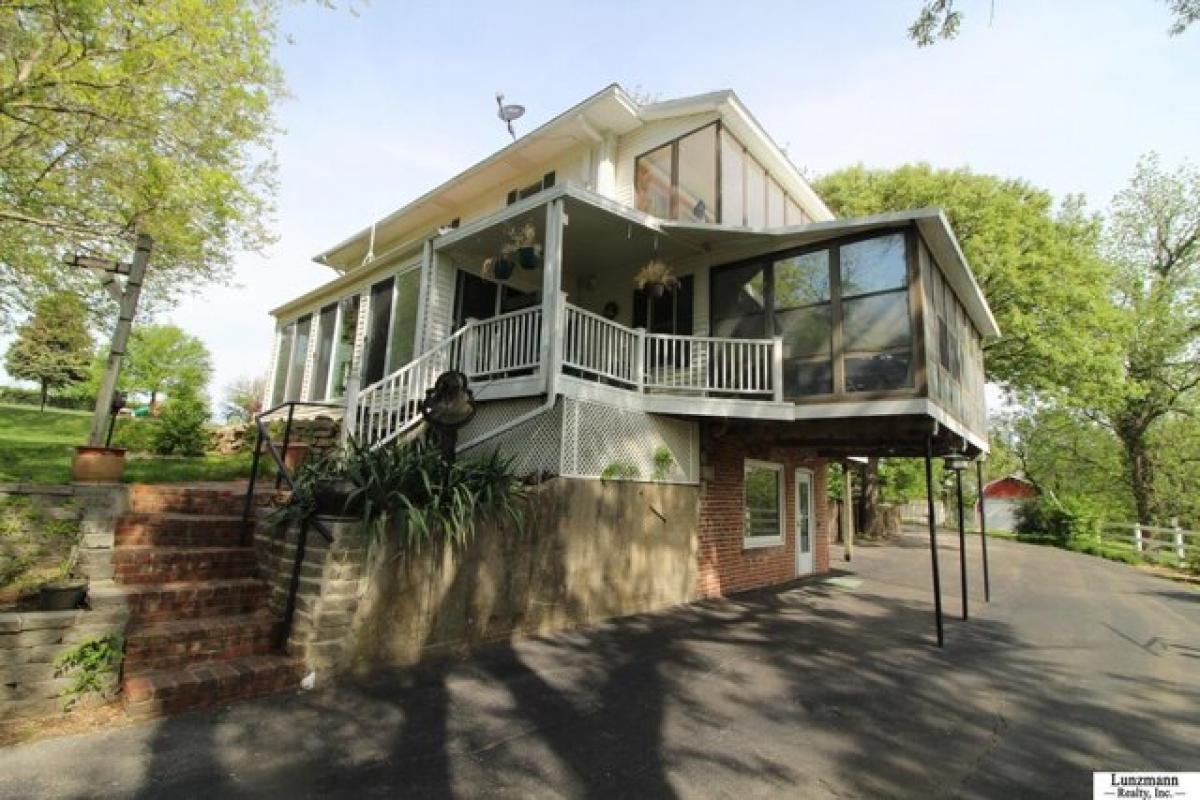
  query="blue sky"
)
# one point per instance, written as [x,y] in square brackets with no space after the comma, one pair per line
[389,102]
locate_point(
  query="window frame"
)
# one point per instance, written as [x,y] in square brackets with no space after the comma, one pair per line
[758,542]
[674,145]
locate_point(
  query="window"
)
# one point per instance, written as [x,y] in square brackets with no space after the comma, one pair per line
[404,320]
[295,379]
[804,318]
[762,504]
[774,203]
[326,324]
[733,181]
[756,194]
[343,351]
[283,357]
[379,318]
[529,191]
[876,330]
[679,179]
[739,302]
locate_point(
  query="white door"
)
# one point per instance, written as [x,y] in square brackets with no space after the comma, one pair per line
[804,522]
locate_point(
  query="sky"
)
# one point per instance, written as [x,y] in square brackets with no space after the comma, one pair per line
[390,101]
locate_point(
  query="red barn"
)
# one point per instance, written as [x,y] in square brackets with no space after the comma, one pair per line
[1002,497]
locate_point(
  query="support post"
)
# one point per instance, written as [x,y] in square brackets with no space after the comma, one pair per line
[937,581]
[777,371]
[962,541]
[639,361]
[1180,553]
[552,295]
[847,512]
[129,301]
[1137,537]
[987,592]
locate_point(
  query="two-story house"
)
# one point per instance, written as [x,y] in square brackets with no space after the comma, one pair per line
[786,337]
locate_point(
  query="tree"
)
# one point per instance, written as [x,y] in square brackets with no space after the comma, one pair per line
[1037,266]
[243,398]
[1153,239]
[165,358]
[54,348]
[123,116]
[939,19]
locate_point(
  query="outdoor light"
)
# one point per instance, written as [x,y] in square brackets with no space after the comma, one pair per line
[955,461]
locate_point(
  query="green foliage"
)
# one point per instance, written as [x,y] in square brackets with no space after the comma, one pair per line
[53,348]
[940,20]
[165,359]
[664,462]
[620,471]
[406,488]
[122,115]
[1038,267]
[182,428]
[68,399]
[89,663]
[136,434]
[243,399]
[1061,522]
[36,545]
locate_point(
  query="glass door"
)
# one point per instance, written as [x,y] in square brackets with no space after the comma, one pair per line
[804,522]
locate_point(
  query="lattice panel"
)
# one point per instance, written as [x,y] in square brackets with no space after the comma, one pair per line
[535,444]
[597,436]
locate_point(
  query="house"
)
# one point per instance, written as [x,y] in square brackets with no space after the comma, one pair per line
[792,337]
[1002,498]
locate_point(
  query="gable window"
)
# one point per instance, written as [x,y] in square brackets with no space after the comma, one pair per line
[762,504]
[678,180]
[750,195]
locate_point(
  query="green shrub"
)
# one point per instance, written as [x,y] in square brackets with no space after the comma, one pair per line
[664,462]
[88,663]
[1059,521]
[183,428]
[136,434]
[620,471]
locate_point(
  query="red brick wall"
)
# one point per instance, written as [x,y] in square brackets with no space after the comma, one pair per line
[725,566]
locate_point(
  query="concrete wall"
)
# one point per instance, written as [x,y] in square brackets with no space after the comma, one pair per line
[589,551]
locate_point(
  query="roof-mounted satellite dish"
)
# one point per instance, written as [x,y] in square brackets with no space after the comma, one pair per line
[508,113]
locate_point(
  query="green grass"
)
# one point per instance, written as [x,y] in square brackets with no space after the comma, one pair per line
[36,446]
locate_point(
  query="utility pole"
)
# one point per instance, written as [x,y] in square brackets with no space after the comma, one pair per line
[128,299]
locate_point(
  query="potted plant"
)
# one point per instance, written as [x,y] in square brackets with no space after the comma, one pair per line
[294,456]
[656,278]
[98,464]
[498,267]
[523,244]
[62,594]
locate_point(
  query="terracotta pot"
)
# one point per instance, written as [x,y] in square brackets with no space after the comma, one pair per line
[98,465]
[61,595]
[296,453]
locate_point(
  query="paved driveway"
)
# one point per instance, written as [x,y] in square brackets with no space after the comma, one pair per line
[815,690]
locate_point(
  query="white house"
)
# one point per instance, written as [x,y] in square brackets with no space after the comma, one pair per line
[792,336]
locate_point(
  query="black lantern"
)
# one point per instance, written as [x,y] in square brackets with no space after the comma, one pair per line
[955,461]
[118,402]
[448,406]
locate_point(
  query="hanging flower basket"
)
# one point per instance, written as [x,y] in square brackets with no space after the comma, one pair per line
[529,257]
[499,268]
[656,278]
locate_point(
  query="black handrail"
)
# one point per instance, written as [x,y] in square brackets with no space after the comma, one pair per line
[281,475]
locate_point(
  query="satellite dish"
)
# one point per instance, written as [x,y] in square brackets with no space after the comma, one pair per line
[508,112]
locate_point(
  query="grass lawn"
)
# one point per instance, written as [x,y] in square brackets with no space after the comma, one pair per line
[36,446]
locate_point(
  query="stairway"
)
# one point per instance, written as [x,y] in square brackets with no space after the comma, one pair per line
[199,631]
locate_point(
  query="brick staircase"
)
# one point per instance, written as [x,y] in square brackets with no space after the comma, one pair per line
[199,631]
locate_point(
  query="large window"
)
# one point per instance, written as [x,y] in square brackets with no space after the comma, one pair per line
[378,324]
[283,357]
[749,194]
[763,504]
[404,320]
[679,179]
[295,379]
[326,329]
[864,282]
[343,352]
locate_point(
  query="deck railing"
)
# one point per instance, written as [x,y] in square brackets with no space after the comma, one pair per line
[600,349]
[707,365]
[505,346]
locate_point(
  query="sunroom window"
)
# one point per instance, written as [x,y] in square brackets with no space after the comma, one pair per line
[763,504]
[343,350]
[326,329]
[678,180]
[876,330]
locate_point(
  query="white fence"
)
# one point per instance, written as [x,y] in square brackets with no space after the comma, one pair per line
[1160,544]
[504,346]
[600,349]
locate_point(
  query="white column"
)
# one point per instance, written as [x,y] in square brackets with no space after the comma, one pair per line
[777,369]
[1137,537]
[552,297]
[423,296]
[1179,550]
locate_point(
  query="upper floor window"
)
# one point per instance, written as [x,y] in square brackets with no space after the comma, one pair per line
[529,191]
[679,179]
[750,195]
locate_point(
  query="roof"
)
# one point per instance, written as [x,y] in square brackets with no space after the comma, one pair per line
[610,109]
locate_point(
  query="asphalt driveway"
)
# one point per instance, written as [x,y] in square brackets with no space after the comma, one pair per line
[813,690]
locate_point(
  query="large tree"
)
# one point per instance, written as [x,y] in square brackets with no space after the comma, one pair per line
[941,19]
[120,116]
[53,348]
[165,359]
[1037,264]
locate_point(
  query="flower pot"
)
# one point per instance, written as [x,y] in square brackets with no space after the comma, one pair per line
[61,595]
[334,499]
[656,290]
[503,268]
[528,257]
[294,456]
[98,465]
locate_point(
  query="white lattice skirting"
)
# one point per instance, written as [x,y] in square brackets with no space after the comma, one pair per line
[582,439]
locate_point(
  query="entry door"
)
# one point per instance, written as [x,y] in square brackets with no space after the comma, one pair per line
[804,522]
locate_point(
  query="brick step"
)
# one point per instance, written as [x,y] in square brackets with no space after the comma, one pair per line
[153,498]
[178,530]
[177,643]
[154,692]
[174,564]
[153,602]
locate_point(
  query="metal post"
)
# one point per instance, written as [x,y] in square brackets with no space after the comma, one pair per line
[1180,553]
[847,511]
[987,592]
[1137,537]
[962,541]
[129,301]
[937,581]
[287,436]
[248,508]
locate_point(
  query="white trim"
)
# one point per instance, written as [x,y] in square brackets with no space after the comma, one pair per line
[809,480]
[755,542]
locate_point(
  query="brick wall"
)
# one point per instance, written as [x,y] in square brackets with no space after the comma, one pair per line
[725,565]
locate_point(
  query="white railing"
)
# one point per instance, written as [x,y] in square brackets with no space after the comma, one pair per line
[505,346]
[1154,541]
[600,349]
[711,365]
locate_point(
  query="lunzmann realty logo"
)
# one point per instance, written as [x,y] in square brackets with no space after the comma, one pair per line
[1146,785]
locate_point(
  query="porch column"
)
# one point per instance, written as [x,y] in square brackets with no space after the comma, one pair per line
[987,594]
[552,300]
[962,540]
[847,511]
[937,581]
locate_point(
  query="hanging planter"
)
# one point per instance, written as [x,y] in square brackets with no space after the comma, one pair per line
[655,278]
[499,268]
[529,257]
